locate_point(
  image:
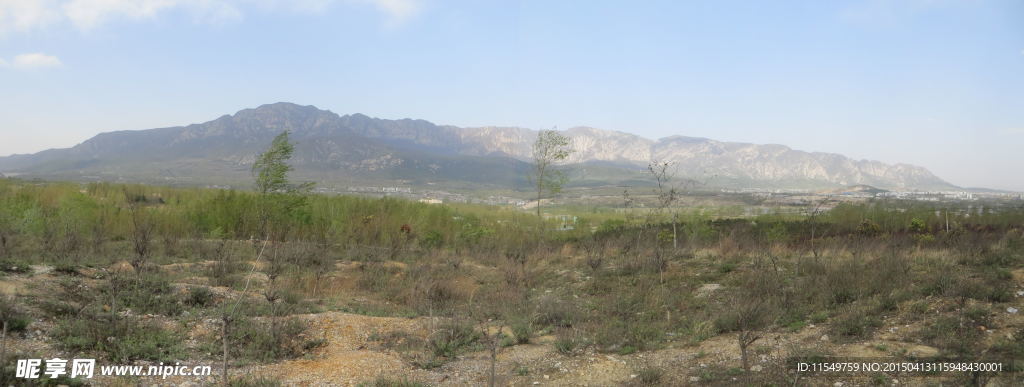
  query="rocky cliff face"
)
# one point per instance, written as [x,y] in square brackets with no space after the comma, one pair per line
[357,144]
[701,157]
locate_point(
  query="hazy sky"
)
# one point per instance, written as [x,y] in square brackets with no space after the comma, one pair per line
[936,83]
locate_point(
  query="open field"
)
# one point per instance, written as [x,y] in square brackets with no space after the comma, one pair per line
[338,290]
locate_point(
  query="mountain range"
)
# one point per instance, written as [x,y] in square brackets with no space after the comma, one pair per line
[357,149]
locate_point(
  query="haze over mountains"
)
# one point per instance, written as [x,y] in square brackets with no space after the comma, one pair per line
[353,149]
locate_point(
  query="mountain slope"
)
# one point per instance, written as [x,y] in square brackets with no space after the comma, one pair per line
[357,147]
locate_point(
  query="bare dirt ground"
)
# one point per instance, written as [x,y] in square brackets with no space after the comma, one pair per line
[351,353]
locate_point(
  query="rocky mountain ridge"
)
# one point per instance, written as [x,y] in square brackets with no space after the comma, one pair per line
[333,146]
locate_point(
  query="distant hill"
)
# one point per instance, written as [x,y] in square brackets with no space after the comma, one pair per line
[863,189]
[357,148]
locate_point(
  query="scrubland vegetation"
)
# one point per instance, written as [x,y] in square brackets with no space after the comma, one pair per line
[134,273]
[142,273]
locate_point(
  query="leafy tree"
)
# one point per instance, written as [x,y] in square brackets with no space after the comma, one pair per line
[869,228]
[271,167]
[279,198]
[549,149]
[918,226]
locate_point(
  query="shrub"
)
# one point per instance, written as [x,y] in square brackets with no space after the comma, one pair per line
[650,376]
[918,226]
[611,226]
[868,228]
[432,239]
[15,266]
[451,338]
[375,277]
[951,334]
[522,330]
[434,295]
[855,322]
[16,320]
[567,343]
[818,317]
[66,268]
[267,340]
[146,293]
[552,311]
[199,296]
[121,340]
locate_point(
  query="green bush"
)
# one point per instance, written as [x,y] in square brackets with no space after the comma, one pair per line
[522,330]
[143,294]
[264,341]
[855,322]
[868,228]
[951,334]
[432,239]
[451,338]
[65,268]
[611,226]
[552,311]
[14,266]
[17,321]
[121,340]
[918,226]
[199,296]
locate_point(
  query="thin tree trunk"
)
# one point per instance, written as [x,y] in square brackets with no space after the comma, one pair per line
[3,346]
[675,243]
[494,358]
[814,249]
[540,192]
[224,348]
[743,355]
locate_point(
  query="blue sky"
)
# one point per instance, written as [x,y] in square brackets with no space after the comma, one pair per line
[936,83]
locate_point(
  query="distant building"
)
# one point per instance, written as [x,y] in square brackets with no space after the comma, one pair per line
[431,201]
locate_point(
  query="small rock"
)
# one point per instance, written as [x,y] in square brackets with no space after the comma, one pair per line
[1011,310]
[546,377]
[633,376]
[824,337]
[756,368]
[694,379]
[1020,293]
[838,384]
[536,383]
